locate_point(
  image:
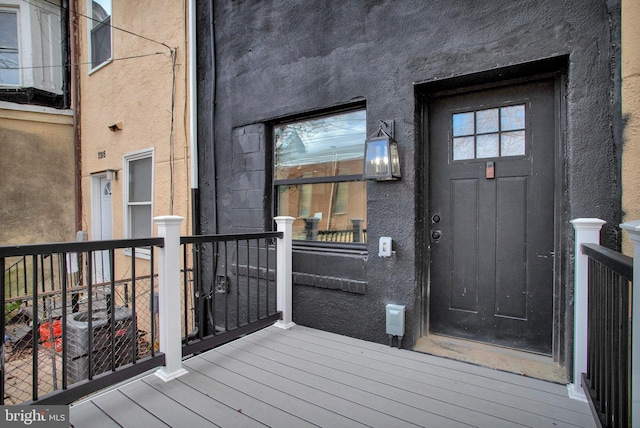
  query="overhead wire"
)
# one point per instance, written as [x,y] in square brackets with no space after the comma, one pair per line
[83,63]
[173,54]
[98,21]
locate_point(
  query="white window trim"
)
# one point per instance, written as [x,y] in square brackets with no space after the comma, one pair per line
[31,48]
[143,253]
[89,28]
[23,30]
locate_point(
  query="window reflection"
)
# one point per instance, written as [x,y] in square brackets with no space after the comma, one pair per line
[487,121]
[318,165]
[512,118]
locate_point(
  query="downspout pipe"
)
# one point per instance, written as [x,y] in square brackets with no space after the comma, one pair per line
[193,120]
[74,84]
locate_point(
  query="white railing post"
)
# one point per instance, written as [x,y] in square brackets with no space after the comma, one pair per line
[169,297]
[633,227]
[587,231]
[284,250]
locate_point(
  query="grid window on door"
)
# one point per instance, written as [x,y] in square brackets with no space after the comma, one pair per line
[489,133]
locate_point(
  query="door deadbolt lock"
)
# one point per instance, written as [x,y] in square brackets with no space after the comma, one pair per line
[435,218]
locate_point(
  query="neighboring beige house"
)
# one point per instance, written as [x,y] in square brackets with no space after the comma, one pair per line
[630,115]
[133,116]
[37,155]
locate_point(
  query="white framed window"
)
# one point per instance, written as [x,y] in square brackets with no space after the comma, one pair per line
[99,32]
[30,45]
[9,47]
[138,196]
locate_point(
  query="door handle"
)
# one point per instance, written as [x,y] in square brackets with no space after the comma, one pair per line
[435,235]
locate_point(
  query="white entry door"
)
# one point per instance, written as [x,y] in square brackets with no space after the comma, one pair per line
[102,227]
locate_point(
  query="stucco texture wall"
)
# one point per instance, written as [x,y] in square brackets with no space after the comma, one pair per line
[143,90]
[37,170]
[631,115]
[278,59]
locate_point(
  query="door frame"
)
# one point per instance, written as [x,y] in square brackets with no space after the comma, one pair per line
[96,214]
[554,68]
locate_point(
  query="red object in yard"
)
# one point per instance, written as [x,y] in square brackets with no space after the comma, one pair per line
[45,330]
[57,345]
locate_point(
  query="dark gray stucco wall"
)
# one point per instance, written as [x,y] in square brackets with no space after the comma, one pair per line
[276,59]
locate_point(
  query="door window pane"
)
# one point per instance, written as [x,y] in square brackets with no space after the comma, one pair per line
[487,121]
[463,148]
[489,133]
[487,146]
[512,118]
[463,124]
[513,143]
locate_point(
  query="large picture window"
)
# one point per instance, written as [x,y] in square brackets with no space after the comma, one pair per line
[100,32]
[318,176]
[138,195]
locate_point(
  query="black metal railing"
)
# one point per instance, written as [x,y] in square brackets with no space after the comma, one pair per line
[235,295]
[15,277]
[75,328]
[608,378]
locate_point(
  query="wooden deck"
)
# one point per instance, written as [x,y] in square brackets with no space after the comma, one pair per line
[304,377]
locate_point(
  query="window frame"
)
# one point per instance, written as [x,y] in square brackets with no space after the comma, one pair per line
[19,24]
[357,247]
[144,253]
[90,28]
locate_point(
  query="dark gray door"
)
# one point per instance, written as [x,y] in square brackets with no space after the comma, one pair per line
[491,215]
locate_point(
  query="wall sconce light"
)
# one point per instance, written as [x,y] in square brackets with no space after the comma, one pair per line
[112,174]
[381,160]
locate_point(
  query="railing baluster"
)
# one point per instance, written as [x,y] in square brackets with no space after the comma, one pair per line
[153,313]
[34,385]
[63,274]
[201,298]
[248,280]
[111,309]
[89,277]
[258,282]
[2,330]
[24,271]
[185,293]
[226,285]
[134,316]
[237,255]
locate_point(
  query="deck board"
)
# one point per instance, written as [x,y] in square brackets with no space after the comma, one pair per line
[430,395]
[475,390]
[305,377]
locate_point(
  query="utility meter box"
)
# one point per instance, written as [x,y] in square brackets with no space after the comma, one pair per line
[395,320]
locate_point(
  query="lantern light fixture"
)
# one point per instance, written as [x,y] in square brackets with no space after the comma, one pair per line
[381,160]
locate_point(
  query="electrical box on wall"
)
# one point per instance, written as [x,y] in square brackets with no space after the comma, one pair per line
[385,246]
[395,322]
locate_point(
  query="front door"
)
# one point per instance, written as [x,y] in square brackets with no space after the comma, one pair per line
[103,229]
[491,215]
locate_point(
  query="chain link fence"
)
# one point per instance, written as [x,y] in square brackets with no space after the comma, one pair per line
[70,321]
